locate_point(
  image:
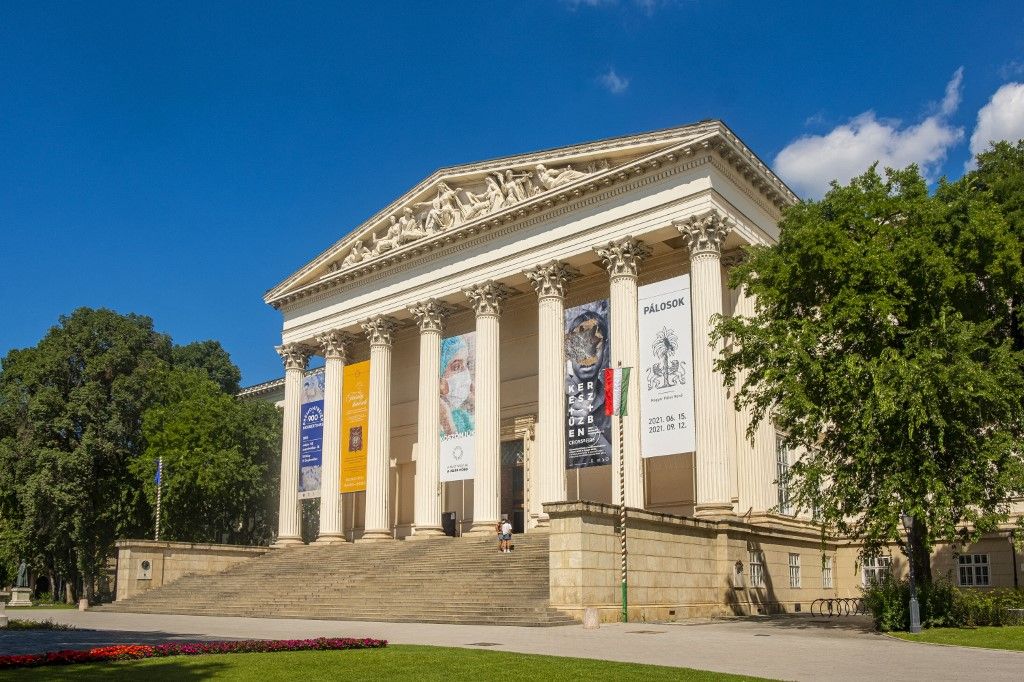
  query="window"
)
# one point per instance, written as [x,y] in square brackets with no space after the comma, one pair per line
[875,569]
[794,570]
[826,572]
[782,474]
[973,570]
[756,563]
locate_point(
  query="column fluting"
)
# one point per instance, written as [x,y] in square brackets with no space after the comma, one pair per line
[332,345]
[705,234]
[487,299]
[622,261]
[427,512]
[289,519]
[550,281]
[380,332]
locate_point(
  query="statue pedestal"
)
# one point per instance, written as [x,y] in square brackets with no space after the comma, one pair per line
[21,596]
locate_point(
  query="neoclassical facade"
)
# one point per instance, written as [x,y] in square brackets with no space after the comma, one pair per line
[503,248]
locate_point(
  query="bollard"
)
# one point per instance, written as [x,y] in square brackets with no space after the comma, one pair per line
[83,604]
[591,621]
[3,614]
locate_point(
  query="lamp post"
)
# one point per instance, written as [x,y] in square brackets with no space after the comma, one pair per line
[915,609]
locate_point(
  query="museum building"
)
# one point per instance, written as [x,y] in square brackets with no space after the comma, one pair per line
[465,330]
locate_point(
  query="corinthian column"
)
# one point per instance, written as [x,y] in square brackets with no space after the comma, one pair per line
[289,518]
[705,234]
[549,281]
[622,260]
[427,515]
[379,330]
[332,345]
[487,299]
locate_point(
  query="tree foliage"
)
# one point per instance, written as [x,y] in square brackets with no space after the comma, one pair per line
[882,348]
[84,413]
[211,358]
[219,478]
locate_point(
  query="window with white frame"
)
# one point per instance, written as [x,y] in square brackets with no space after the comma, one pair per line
[973,570]
[782,474]
[756,563]
[875,568]
[794,570]
[826,572]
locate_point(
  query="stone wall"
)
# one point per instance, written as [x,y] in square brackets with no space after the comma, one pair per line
[169,561]
[682,567]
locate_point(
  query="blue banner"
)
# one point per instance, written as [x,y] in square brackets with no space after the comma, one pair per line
[311,441]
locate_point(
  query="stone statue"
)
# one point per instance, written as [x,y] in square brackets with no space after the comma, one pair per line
[516,187]
[390,240]
[22,575]
[551,178]
[443,211]
[357,254]
[411,230]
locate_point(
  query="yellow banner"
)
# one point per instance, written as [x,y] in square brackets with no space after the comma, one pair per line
[355,402]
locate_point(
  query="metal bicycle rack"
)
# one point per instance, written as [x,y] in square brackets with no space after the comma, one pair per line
[838,606]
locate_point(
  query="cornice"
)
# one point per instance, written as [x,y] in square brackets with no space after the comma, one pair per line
[713,136]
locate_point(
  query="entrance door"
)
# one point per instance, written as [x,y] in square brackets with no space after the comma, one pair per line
[512,455]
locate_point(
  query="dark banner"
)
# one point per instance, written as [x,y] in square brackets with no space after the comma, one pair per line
[311,440]
[587,354]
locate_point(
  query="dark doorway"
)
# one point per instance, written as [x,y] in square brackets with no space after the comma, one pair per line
[512,479]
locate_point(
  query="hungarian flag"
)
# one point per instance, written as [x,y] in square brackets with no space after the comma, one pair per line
[616,381]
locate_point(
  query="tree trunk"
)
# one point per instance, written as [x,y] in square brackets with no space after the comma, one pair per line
[69,592]
[922,557]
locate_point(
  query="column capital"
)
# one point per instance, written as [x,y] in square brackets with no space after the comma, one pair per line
[334,344]
[487,297]
[294,355]
[622,257]
[550,279]
[380,330]
[706,232]
[430,314]
[734,257]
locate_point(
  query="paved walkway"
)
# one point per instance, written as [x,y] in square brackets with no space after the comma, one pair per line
[789,648]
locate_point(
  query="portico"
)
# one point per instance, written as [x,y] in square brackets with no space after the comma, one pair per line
[503,249]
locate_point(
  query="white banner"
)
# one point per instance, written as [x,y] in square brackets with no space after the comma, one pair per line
[457,388]
[666,368]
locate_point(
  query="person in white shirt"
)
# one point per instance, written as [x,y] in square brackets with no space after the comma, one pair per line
[506,536]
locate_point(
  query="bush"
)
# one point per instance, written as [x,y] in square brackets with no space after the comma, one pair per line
[941,605]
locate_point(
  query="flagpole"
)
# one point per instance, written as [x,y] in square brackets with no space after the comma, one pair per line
[622,513]
[159,488]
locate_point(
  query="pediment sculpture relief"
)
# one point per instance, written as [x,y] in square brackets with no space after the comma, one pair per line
[451,207]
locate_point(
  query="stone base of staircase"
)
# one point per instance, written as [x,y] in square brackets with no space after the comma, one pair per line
[437,580]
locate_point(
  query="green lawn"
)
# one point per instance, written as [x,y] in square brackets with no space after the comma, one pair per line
[1006,637]
[420,663]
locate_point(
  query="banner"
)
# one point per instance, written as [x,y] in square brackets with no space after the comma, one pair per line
[588,435]
[458,406]
[311,439]
[355,414]
[666,368]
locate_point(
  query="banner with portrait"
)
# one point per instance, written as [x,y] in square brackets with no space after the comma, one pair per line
[666,368]
[588,433]
[355,414]
[311,435]
[458,407]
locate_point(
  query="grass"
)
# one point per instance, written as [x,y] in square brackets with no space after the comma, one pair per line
[420,663]
[1006,637]
[40,606]
[48,624]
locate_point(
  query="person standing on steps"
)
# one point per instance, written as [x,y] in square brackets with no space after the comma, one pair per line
[506,536]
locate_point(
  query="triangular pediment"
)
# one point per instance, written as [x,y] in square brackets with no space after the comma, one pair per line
[464,198]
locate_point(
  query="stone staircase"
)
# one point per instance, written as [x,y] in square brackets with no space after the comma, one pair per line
[441,580]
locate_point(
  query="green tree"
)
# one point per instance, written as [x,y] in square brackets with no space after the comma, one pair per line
[219,454]
[881,348]
[211,358]
[70,424]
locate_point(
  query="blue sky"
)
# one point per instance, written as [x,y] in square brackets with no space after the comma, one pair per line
[178,159]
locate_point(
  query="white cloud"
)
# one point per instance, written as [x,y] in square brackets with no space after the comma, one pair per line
[614,83]
[1001,119]
[810,162]
[1012,69]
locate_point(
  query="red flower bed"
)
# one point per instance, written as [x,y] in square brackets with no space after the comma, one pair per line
[124,652]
